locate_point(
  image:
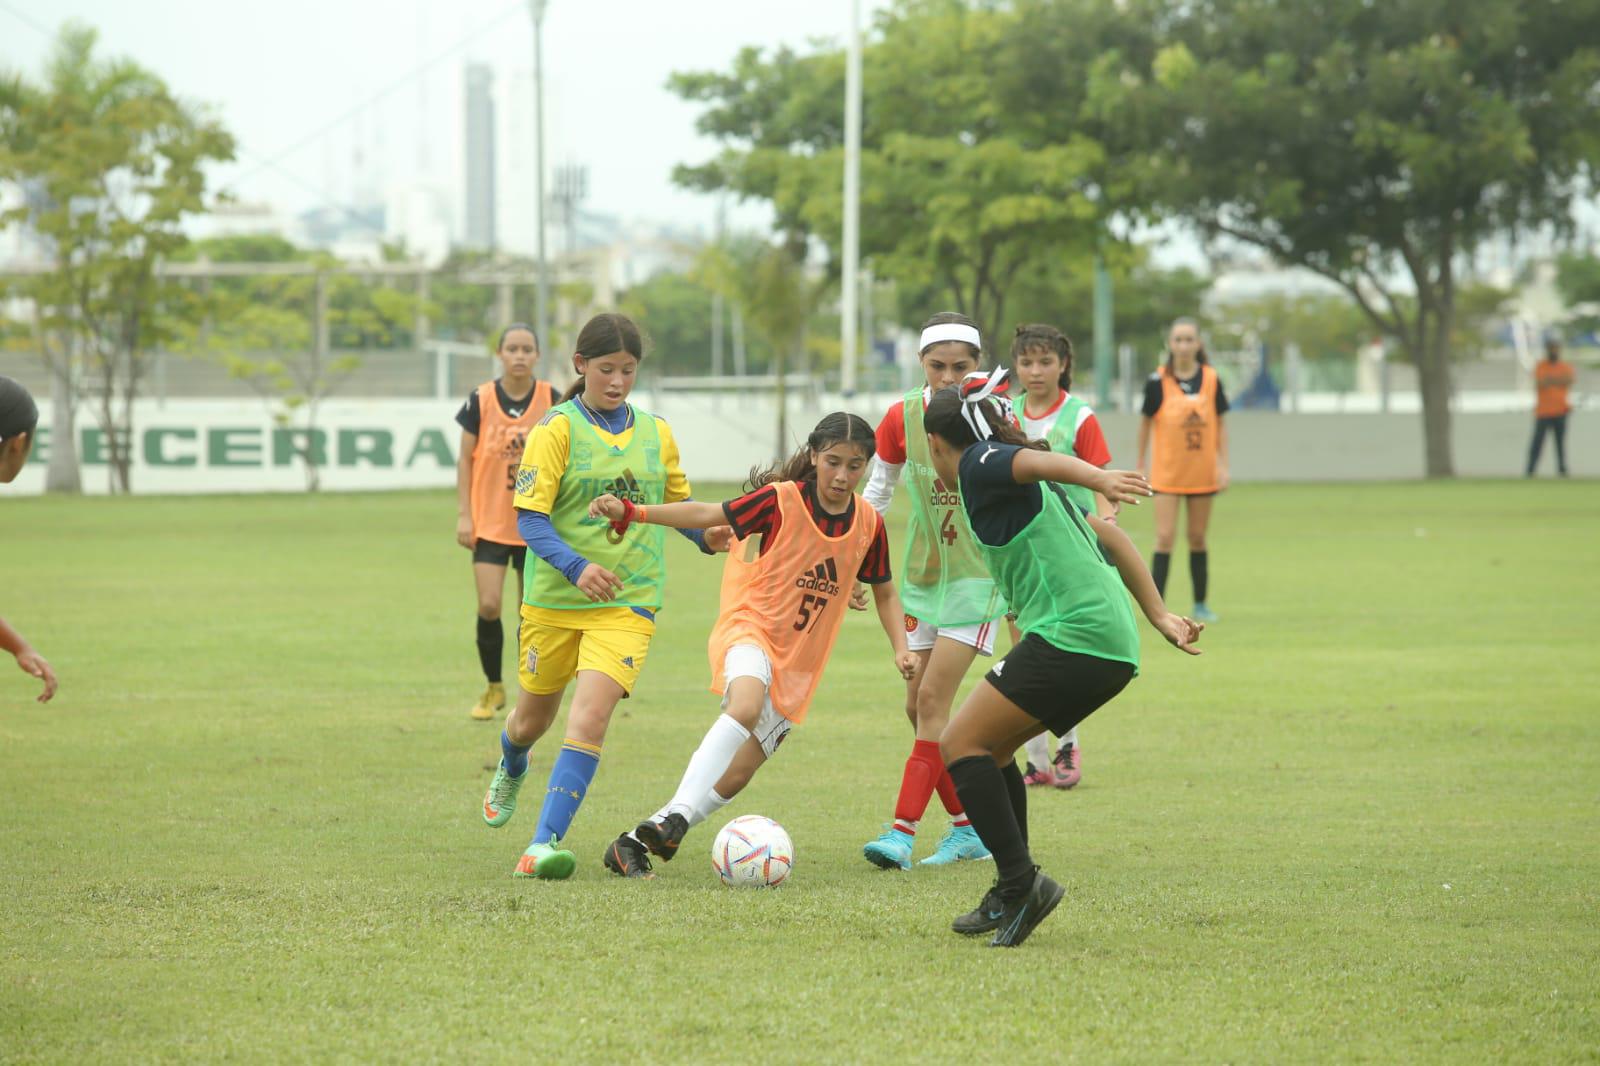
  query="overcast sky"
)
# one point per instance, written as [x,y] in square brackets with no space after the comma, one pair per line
[284,75]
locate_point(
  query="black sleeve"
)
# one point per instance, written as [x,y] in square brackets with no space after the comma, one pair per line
[875,564]
[997,507]
[1152,396]
[468,418]
[1222,397]
[754,512]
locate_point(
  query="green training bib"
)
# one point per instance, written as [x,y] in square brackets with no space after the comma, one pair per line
[1060,585]
[943,580]
[595,467]
[1063,438]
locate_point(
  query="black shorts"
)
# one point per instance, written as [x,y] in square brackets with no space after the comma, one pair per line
[497,554]
[1059,688]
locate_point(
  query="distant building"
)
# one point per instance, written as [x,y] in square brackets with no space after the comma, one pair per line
[418,217]
[243,219]
[479,128]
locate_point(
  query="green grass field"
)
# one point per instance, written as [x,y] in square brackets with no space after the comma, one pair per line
[1364,826]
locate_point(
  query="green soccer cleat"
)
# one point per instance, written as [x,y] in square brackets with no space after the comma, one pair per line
[500,802]
[961,843]
[547,862]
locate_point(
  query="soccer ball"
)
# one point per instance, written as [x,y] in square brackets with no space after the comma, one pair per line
[752,852]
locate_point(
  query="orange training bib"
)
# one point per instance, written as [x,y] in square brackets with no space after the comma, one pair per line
[1184,437]
[790,601]
[495,459]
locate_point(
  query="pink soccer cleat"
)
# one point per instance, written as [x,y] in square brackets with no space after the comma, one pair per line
[1068,767]
[1036,776]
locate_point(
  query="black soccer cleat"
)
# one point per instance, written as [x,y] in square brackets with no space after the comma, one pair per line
[1027,911]
[626,857]
[985,919]
[663,837]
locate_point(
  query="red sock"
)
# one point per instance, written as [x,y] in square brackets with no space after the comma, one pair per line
[923,770]
[951,801]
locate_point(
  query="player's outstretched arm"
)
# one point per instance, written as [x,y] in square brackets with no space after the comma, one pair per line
[1117,486]
[1181,632]
[29,660]
[893,619]
[690,514]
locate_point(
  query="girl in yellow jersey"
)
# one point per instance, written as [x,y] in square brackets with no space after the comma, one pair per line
[589,606]
[804,537]
[495,422]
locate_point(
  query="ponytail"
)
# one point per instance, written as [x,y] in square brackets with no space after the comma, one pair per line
[602,335]
[952,412]
[837,428]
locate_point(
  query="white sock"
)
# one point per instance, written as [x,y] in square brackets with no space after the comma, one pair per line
[706,767]
[1070,738]
[710,804]
[1039,750]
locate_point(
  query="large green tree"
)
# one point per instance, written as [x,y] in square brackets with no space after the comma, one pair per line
[1375,144]
[111,163]
[952,203]
[1578,278]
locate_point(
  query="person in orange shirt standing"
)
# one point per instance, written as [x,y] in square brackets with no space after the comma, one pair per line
[1186,440]
[1554,379]
[495,422]
[804,538]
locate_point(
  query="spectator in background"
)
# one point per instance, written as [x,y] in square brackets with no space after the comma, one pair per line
[1553,377]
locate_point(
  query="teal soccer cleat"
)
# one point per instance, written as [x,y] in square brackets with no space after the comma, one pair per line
[892,851]
[960,843]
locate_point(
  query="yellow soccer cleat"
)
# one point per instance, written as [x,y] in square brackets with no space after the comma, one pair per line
[492,700]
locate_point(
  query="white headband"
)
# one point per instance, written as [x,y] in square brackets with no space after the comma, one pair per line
[970,404]
[949,331]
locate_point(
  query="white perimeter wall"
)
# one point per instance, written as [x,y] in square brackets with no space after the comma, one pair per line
[190,446]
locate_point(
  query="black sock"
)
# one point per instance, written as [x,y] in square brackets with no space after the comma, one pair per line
[491,646]
[983,792]
[1197,572]
[1158,570]
[1019,796]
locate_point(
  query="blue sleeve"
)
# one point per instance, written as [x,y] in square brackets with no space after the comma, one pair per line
[547,544]
[697,537]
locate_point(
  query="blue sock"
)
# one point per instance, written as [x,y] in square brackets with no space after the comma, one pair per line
[569,783]
[512,757]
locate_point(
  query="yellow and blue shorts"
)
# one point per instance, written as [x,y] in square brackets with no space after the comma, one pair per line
[554,645]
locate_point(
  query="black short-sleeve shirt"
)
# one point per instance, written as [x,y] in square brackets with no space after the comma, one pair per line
[998,507]
[1190,385]
[470,418]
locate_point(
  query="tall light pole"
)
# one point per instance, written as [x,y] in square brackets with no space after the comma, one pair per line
[849,314]
[542,305]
